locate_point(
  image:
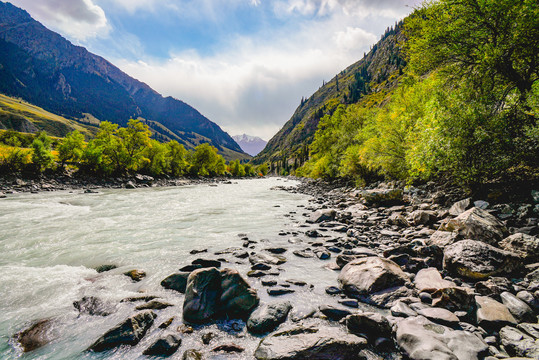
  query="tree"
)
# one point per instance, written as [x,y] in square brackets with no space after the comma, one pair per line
[42,152]
[205,161]
[71,148]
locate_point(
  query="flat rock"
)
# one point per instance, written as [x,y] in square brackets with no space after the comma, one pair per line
[267,317]
[492,314]
[422,339]
[430,280]
[477,260]
[334,313]
[267,259]
[277,291]
[154,305]
[310,343]
[442,238]
[440,316]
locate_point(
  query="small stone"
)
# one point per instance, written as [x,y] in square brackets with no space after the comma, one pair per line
[165,346]
[135,275]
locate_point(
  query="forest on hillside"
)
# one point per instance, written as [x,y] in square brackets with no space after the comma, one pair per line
[466,107]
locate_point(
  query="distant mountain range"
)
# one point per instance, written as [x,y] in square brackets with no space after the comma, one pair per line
[252,145]
[43,68]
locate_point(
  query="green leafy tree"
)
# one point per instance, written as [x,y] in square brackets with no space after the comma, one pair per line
[42,152]
[177,158]
[205,161]
[71,148]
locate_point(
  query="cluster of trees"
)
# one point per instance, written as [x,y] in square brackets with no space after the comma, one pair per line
[118,150]
[467,106]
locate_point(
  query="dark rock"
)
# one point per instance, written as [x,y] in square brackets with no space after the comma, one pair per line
[352,303]
[477,260]
[493,287]
[323,255]
[154,305]
[277,291]
[313,233]
[238,298]
[165,346]
[241,254]
[207,337]
[130,332]
[334,313]
[135,275]
[104,268]
[92,305]
[229,348]
[454,298]
[256,273]
[422,339]
[192,354]
[310,343]
[261,266]
[518,308]
[269,282]
[177,282]
[266,318]
[371,324]
[37,335]
[205,263]
[190,268]
[202,295]
[333,290]
[367,354]
[370,275]
[276,250]
[195,251]
[166,324]
[139,298]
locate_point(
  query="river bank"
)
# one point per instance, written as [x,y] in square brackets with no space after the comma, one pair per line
[423,273]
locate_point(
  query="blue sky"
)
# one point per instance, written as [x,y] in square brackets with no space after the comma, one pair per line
[245,64]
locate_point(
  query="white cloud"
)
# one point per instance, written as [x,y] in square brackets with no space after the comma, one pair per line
[79,19]
[352,36]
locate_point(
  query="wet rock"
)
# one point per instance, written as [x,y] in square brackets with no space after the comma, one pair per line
[267,259]
[92,305]
[192,354]
[130,185]
[277,291]
[477,224]
[104,268]
[229,348]
[370,275]
[367,354]
[130,332]
[166,324]
[430,280]
[145,298]
[196,251]
[517,343]
[322,215]
[422,339]
[165,346]
[492,314]
[269,282]
[477,260]
[312,234]
[334,313]
[190,268]
[261,266]
[277,250]
[238,298]
[372,324]
[206,263]
[440,316]
[386,298]
[323,254]
[135,275]
[518,308]
[177,282]
[202,295]
[256,273]
[310,343]
[36,335]
[526,246]
[352,303]
[266,318]
[333,290]
[154,305]
[303,253]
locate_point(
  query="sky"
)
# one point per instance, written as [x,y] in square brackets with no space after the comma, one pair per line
[244,64]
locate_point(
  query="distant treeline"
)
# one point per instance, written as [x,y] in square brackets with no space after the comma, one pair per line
[115,151]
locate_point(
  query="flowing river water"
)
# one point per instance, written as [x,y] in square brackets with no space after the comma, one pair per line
[51,243]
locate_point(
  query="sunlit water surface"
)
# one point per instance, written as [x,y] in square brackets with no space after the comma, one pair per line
[50,244]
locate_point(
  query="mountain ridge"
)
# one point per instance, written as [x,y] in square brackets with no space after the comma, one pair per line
[252,145]
[67,79]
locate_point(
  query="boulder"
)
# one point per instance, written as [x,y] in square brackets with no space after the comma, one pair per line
[322,215]
[477,224]
[493,287]
[177,282]
[440,316]
[372,324]
[422,339]
[92,305]
[371,274]
[36,335]
[517,343]
[526,246]
[334,313]
[459,207]
[130,332]
[454,298]
[382,196]
[267,259]
[518,308]
[477,260]
[422,217]
[164,346]
[310,343]
[266,318]
[402,310]
[207,263]
[442,238]
[202,295]
[429,280]
[238,298]
[491,314]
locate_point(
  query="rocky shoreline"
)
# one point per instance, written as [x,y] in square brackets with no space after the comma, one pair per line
[444,276]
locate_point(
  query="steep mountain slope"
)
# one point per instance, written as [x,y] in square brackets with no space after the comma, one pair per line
[252,145]
[45,69]
[377,71]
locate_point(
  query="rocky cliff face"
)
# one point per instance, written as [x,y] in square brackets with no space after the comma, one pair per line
[42,67]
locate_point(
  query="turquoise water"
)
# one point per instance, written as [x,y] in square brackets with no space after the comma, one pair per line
[50,244]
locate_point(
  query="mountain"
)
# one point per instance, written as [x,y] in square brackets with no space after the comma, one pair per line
[378,70]
[252,145]
[43,68]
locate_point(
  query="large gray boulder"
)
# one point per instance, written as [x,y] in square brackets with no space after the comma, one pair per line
[238,298]
[422,339]
[202,295]
[371,274]
[491,314]
[518,308]
[477,260]
[310,343]
[130,332]
[477,224]
[266,318]
[526,246]
[517,343]
[322,215]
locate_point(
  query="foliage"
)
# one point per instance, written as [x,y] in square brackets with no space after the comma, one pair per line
[42,156]
[71,148]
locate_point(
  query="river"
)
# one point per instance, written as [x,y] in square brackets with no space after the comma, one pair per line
[50,244]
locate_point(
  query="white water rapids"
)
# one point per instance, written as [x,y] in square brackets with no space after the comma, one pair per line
[50,244]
